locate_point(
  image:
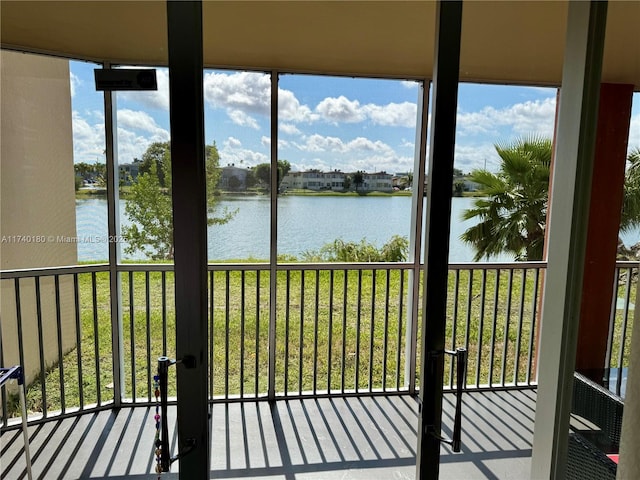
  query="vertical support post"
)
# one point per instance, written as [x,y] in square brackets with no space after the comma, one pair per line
[113,225]
[614,116]
[441,155]
[574,151]
[415,239]
[184,23]
[273,245]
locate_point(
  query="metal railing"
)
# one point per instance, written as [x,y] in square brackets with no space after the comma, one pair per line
[339,329]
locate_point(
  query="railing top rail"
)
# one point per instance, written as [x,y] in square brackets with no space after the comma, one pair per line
[50,271]
[168,267]
[496,265]
[627,264]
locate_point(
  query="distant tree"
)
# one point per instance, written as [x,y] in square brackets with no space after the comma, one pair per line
[83,169]
[158,154]
[262,172]
[284,167]
[512,215]
[149,205]
[358,179]
[457,172]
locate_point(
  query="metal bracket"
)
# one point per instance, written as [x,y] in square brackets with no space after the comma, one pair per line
[461,371]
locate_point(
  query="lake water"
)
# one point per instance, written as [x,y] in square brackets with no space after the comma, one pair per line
[304,224]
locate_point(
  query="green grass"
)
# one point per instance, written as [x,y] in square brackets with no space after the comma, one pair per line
[354,318]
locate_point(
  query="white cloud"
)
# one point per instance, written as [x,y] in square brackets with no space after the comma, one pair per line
[241,157]
[132,145]
[138,120]
[341,109]
[232,142]
[243,94]
[241,118]
[289,129]
[531,117]
[319,143]
[249,92]
[291,110]
[74,82]
[410,83]
[152,99]
[88,140]
[265,141]
[393,114]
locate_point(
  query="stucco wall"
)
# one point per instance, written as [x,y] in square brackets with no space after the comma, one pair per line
[37,201]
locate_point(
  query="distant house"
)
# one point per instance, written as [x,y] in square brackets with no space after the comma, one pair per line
[128,172]
[377,182]
[314,180]
[335,181]
[233,178]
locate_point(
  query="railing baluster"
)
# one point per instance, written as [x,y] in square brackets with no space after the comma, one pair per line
[315,334]
[534,311]
[148,325]
[400,336]
[494,325]
[226,333]
[454,321]
[19,329]
[301,345]
[43,381]
[623,339]
[211,335]
[374,274]
[467,331]
[507,322]
[385,339]
[76,303]
[96,336]
[286,332]
[164,314]
[242,327]
[358,322]
[344,332]
[516,367]
[330,332]
[481,326]
[132,337]
[257,366]
[612,319]
[63,402]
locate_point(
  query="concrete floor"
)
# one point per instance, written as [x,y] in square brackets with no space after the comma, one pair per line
[340,438]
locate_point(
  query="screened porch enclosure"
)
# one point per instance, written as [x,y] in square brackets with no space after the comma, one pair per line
[301,367]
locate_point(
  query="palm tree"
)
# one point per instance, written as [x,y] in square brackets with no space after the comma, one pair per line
[630,218]
[512,213]
[631,201]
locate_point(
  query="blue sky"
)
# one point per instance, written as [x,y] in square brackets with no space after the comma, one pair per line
[325,122]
